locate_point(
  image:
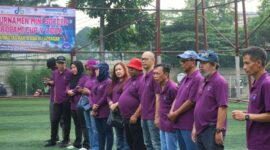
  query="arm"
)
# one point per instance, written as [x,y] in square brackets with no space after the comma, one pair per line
[173,115]
[157,110]
[222,113]
[240,116]
[136,115]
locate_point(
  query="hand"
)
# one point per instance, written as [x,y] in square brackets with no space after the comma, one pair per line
[193,135]
[172,116]
[79,89]
[94,113]
[113,107]
[156,122]
[219,138]
[133,119]
[238,115]
[70,93]
[95,107]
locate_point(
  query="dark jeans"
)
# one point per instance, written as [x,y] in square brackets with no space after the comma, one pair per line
[121,140]
[206,140]
[134,135]
[61,110]
[105,134]
[51,119]
[80,129]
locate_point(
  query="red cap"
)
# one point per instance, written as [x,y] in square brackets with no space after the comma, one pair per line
[135,63]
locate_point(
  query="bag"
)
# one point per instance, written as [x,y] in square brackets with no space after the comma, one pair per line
[115,119]
[84,103]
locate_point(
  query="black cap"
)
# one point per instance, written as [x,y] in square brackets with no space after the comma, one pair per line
[51,63]
[60,59]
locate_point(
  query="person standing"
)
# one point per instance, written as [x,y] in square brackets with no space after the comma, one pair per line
[129,105]
[119,77]
[76,83]
[182,110]
[211,105]
[61,106]
[148,103]
[100,106]
[167,95]
[257,116]
[90,120]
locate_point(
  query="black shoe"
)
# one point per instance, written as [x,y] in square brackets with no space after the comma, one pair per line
[77,146]
[64,144]
[50,143]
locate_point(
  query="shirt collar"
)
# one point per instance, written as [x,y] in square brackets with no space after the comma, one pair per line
[260,80]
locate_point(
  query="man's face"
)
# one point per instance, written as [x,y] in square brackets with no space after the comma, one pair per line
[61,66]
[159,75]
[206,68]
[132,72]
[147,61]
[251,66]
[187,64]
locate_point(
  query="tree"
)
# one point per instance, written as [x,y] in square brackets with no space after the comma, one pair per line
[134,27]
[23,2]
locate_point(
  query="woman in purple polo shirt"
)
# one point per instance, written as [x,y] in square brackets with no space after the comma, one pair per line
[75,84]
[100,106]
[119,78]
[90,120]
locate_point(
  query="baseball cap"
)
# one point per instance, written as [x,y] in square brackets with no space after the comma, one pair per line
[189,54]
[135,63]
[208,56]
[60,59]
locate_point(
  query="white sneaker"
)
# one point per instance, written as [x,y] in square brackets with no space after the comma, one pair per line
[82,148]
[70,147]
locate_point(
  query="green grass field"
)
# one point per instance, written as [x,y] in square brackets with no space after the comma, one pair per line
[24,125]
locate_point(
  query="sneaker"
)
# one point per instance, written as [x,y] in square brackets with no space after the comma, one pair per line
[64,144]
[82,148]
[50,143]
[70,147]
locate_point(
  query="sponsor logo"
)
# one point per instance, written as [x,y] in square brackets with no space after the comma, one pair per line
[19,11]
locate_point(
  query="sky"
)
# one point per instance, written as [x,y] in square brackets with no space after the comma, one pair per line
[82,20]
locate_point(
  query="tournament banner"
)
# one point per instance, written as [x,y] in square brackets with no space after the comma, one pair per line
[34,29]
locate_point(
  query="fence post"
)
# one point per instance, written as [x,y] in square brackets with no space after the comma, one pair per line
[26,85]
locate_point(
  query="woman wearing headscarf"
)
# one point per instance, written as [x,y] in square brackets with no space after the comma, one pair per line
[90,120]
[74,93]
[100,107]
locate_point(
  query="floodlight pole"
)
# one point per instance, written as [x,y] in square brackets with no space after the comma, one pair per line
[196,27]
[237,52]
[204,26]
[158,57]
[74,53]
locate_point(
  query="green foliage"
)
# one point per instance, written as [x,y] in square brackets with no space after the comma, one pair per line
[23,2]
[18,79]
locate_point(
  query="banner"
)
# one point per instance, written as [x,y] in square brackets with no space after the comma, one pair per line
[28,29]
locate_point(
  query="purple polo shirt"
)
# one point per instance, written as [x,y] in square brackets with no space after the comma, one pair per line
[88,84]
[167,96]
[187,90]
[99,92]
[78,95]
[148,99]
[61,80]
[212,94]
[129,100]
[116,92]
[258,133]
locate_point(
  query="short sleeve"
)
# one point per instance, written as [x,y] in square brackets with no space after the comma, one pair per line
[194,89]
[266,95]
[221,95]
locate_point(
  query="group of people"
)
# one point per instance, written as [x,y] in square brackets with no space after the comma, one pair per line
[157,113]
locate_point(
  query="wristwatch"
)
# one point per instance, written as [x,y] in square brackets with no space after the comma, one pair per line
[218,130]
[247,118]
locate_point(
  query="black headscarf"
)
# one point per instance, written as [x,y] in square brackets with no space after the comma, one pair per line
[75,78]
[103,72]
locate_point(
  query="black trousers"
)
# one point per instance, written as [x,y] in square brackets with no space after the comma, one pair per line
[134,135]
[61,110]
[80,129]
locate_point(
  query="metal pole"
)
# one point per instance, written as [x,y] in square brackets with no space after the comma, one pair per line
[158,31]
[74,53]
[237,58]
[204,26]
[246,34]
[196,26]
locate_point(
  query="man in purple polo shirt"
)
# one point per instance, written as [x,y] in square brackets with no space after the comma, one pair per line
[257,116]
[168,139]
[211,105]
[183,108]
[129,105]
[61,106]
[148,103]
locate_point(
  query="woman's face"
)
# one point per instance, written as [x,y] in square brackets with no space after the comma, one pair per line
[97,71]
[74,69]
[119,71]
